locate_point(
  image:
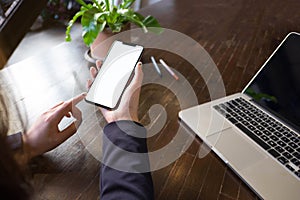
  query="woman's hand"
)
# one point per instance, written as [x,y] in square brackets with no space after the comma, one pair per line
[128,107]
[44,135]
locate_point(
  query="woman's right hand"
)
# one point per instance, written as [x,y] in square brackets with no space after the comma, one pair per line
[44,135]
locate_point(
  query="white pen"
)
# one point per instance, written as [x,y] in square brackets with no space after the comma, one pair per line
[156,66]
[168,69]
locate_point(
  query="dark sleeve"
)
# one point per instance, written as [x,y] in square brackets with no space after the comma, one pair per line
[125,170]
[14,141]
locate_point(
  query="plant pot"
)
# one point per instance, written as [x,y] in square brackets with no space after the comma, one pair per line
[101,45]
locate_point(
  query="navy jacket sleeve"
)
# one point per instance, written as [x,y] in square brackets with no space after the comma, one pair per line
[125,170]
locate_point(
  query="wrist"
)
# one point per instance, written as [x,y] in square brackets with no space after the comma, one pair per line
[27,149]
[111,120]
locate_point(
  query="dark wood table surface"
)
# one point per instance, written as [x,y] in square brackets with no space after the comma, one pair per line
[239,35]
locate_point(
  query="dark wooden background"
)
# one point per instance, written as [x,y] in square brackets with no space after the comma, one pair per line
[239,35]
[17,23]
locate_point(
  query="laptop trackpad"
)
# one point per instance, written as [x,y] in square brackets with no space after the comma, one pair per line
[239,152]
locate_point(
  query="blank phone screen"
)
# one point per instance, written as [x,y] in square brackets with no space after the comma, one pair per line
[114,74]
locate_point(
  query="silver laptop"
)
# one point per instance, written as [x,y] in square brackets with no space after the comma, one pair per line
[256,132]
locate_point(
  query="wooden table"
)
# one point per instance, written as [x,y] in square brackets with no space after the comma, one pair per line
[239,35]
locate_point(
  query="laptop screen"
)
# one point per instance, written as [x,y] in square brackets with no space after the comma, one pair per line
[277,86]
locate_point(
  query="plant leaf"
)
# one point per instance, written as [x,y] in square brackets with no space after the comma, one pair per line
[141,17]
[107,5]
[100,13]
[81,2]
[98,5]
[150,21]
[126,3]
[71,23]
[90,26]
[132,17]
[102,26]
[117,27]
[114,15]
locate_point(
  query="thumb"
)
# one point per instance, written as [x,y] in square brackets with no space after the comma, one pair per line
[138,76]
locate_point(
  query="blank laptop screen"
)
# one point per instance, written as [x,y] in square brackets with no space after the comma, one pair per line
[277,86]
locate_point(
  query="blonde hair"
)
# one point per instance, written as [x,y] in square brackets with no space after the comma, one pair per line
[13,184]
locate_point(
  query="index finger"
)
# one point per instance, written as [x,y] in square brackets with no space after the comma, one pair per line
[77,99]
[67,107]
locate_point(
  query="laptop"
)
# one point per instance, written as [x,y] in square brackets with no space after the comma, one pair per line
[256,132]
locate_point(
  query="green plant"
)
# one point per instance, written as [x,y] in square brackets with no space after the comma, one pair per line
[99,14]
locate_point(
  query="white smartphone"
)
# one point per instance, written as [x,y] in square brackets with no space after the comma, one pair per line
[114,74]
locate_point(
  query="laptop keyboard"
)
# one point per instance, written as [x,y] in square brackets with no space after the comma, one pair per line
[282,143]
